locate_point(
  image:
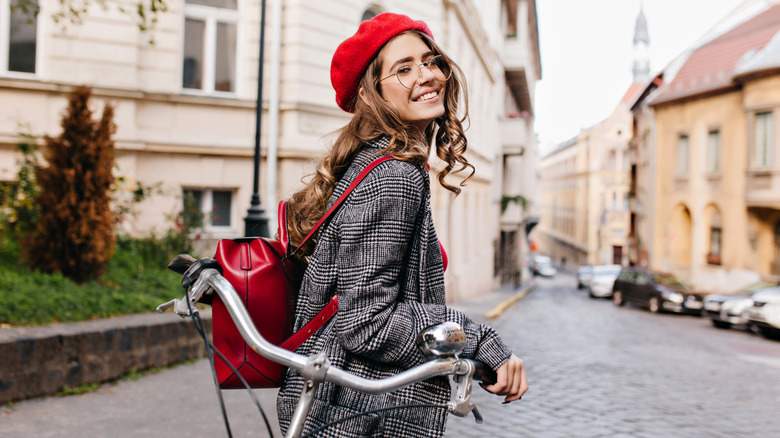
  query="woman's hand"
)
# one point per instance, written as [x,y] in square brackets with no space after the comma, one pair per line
[511,380]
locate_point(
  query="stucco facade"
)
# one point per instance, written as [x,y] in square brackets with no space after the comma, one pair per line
[585,184]
[185,106]
[714,185]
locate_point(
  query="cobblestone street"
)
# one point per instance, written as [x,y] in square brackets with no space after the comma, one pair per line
[596,370]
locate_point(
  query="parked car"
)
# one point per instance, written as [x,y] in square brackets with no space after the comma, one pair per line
[602,280]
[584,273]
[764,314]
[542,265]
[728,310]
[658,291]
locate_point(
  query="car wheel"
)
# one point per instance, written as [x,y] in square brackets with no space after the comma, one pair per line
[771,333]
[654,305]
[721,324]
[617,298]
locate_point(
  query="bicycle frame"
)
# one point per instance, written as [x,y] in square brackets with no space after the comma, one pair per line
[316,368]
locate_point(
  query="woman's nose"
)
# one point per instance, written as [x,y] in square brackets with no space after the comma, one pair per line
[426,74]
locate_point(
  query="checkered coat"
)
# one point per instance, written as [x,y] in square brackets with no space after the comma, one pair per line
[381,255]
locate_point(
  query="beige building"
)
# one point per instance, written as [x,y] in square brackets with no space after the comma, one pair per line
[186,107]
[585,182]
[584,191]
[716,197]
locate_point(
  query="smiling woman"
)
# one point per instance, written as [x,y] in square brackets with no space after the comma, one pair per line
[379,253]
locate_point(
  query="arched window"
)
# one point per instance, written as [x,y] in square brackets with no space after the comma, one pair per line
[716,239]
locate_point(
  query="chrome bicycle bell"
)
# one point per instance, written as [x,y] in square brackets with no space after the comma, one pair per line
[442,340]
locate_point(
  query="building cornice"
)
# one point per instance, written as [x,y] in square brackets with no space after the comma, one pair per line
[468,18]
[60,88]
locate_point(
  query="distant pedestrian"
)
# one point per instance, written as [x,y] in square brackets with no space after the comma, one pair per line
[380,252]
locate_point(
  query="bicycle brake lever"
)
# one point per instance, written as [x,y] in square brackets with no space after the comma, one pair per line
[179,307]
[460,404]
[477,415]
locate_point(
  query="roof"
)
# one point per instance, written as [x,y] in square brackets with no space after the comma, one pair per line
[712,66]
[632,92]
[767,59]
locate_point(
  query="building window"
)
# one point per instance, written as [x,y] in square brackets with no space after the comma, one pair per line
[713,151]
[716,236]
[212,208]
[764,134]
[682,155]
[18,42]
[210,45]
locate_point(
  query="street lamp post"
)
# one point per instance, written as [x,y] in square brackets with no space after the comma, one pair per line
[256,221]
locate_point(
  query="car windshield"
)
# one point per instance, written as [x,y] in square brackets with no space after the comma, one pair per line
[669,280]
[607,270]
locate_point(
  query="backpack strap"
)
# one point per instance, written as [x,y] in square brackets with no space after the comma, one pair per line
[330,309]
[312,326]
[339,201]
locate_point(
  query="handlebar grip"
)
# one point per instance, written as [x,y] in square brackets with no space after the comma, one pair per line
[485,374]
[181,263]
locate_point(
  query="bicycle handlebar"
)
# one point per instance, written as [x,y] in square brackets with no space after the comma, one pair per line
[259,344]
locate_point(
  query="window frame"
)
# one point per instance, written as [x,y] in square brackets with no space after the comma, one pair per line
[207,207]
[683,162]
[212,17]
[714,163]
[5,42]
[768,150]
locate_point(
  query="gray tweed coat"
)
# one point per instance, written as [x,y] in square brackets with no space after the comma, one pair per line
[381,255]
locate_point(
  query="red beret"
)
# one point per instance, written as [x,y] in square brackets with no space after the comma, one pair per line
[353,56]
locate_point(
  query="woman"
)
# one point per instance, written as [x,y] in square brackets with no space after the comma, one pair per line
[380,252]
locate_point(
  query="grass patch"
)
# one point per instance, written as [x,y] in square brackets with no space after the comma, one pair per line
[136,281]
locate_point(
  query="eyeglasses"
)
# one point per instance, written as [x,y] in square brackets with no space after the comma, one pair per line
[409,72]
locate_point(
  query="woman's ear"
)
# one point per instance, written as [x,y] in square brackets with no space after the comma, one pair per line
[362,95]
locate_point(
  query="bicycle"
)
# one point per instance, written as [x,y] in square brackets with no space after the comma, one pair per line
[441,344]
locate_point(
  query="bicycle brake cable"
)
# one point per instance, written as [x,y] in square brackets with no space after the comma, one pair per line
[198,322]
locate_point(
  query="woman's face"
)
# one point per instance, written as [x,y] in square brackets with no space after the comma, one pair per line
[424,101]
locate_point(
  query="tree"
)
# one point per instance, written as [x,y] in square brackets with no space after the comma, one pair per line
[72,11]
[74,234]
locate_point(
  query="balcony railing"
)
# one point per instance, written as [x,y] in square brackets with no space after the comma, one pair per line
[514,133]
[762,188]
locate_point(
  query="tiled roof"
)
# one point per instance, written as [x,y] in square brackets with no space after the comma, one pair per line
[712,66]
[632,92]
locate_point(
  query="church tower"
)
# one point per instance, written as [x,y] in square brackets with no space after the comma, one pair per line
[641,68]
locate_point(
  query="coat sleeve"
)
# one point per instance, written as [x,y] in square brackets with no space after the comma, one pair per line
[375,233]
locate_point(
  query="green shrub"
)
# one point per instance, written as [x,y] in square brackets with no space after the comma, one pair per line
[134,282]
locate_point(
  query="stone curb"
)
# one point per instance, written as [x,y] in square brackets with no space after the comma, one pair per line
[506,304]
[40,361]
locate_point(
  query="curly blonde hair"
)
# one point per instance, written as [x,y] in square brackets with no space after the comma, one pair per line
[374,118]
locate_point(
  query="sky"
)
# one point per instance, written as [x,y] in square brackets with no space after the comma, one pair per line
[587,54]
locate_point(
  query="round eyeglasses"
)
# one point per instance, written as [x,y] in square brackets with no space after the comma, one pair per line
[409,72]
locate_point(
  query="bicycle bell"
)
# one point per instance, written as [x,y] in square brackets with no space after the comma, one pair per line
[442,340]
